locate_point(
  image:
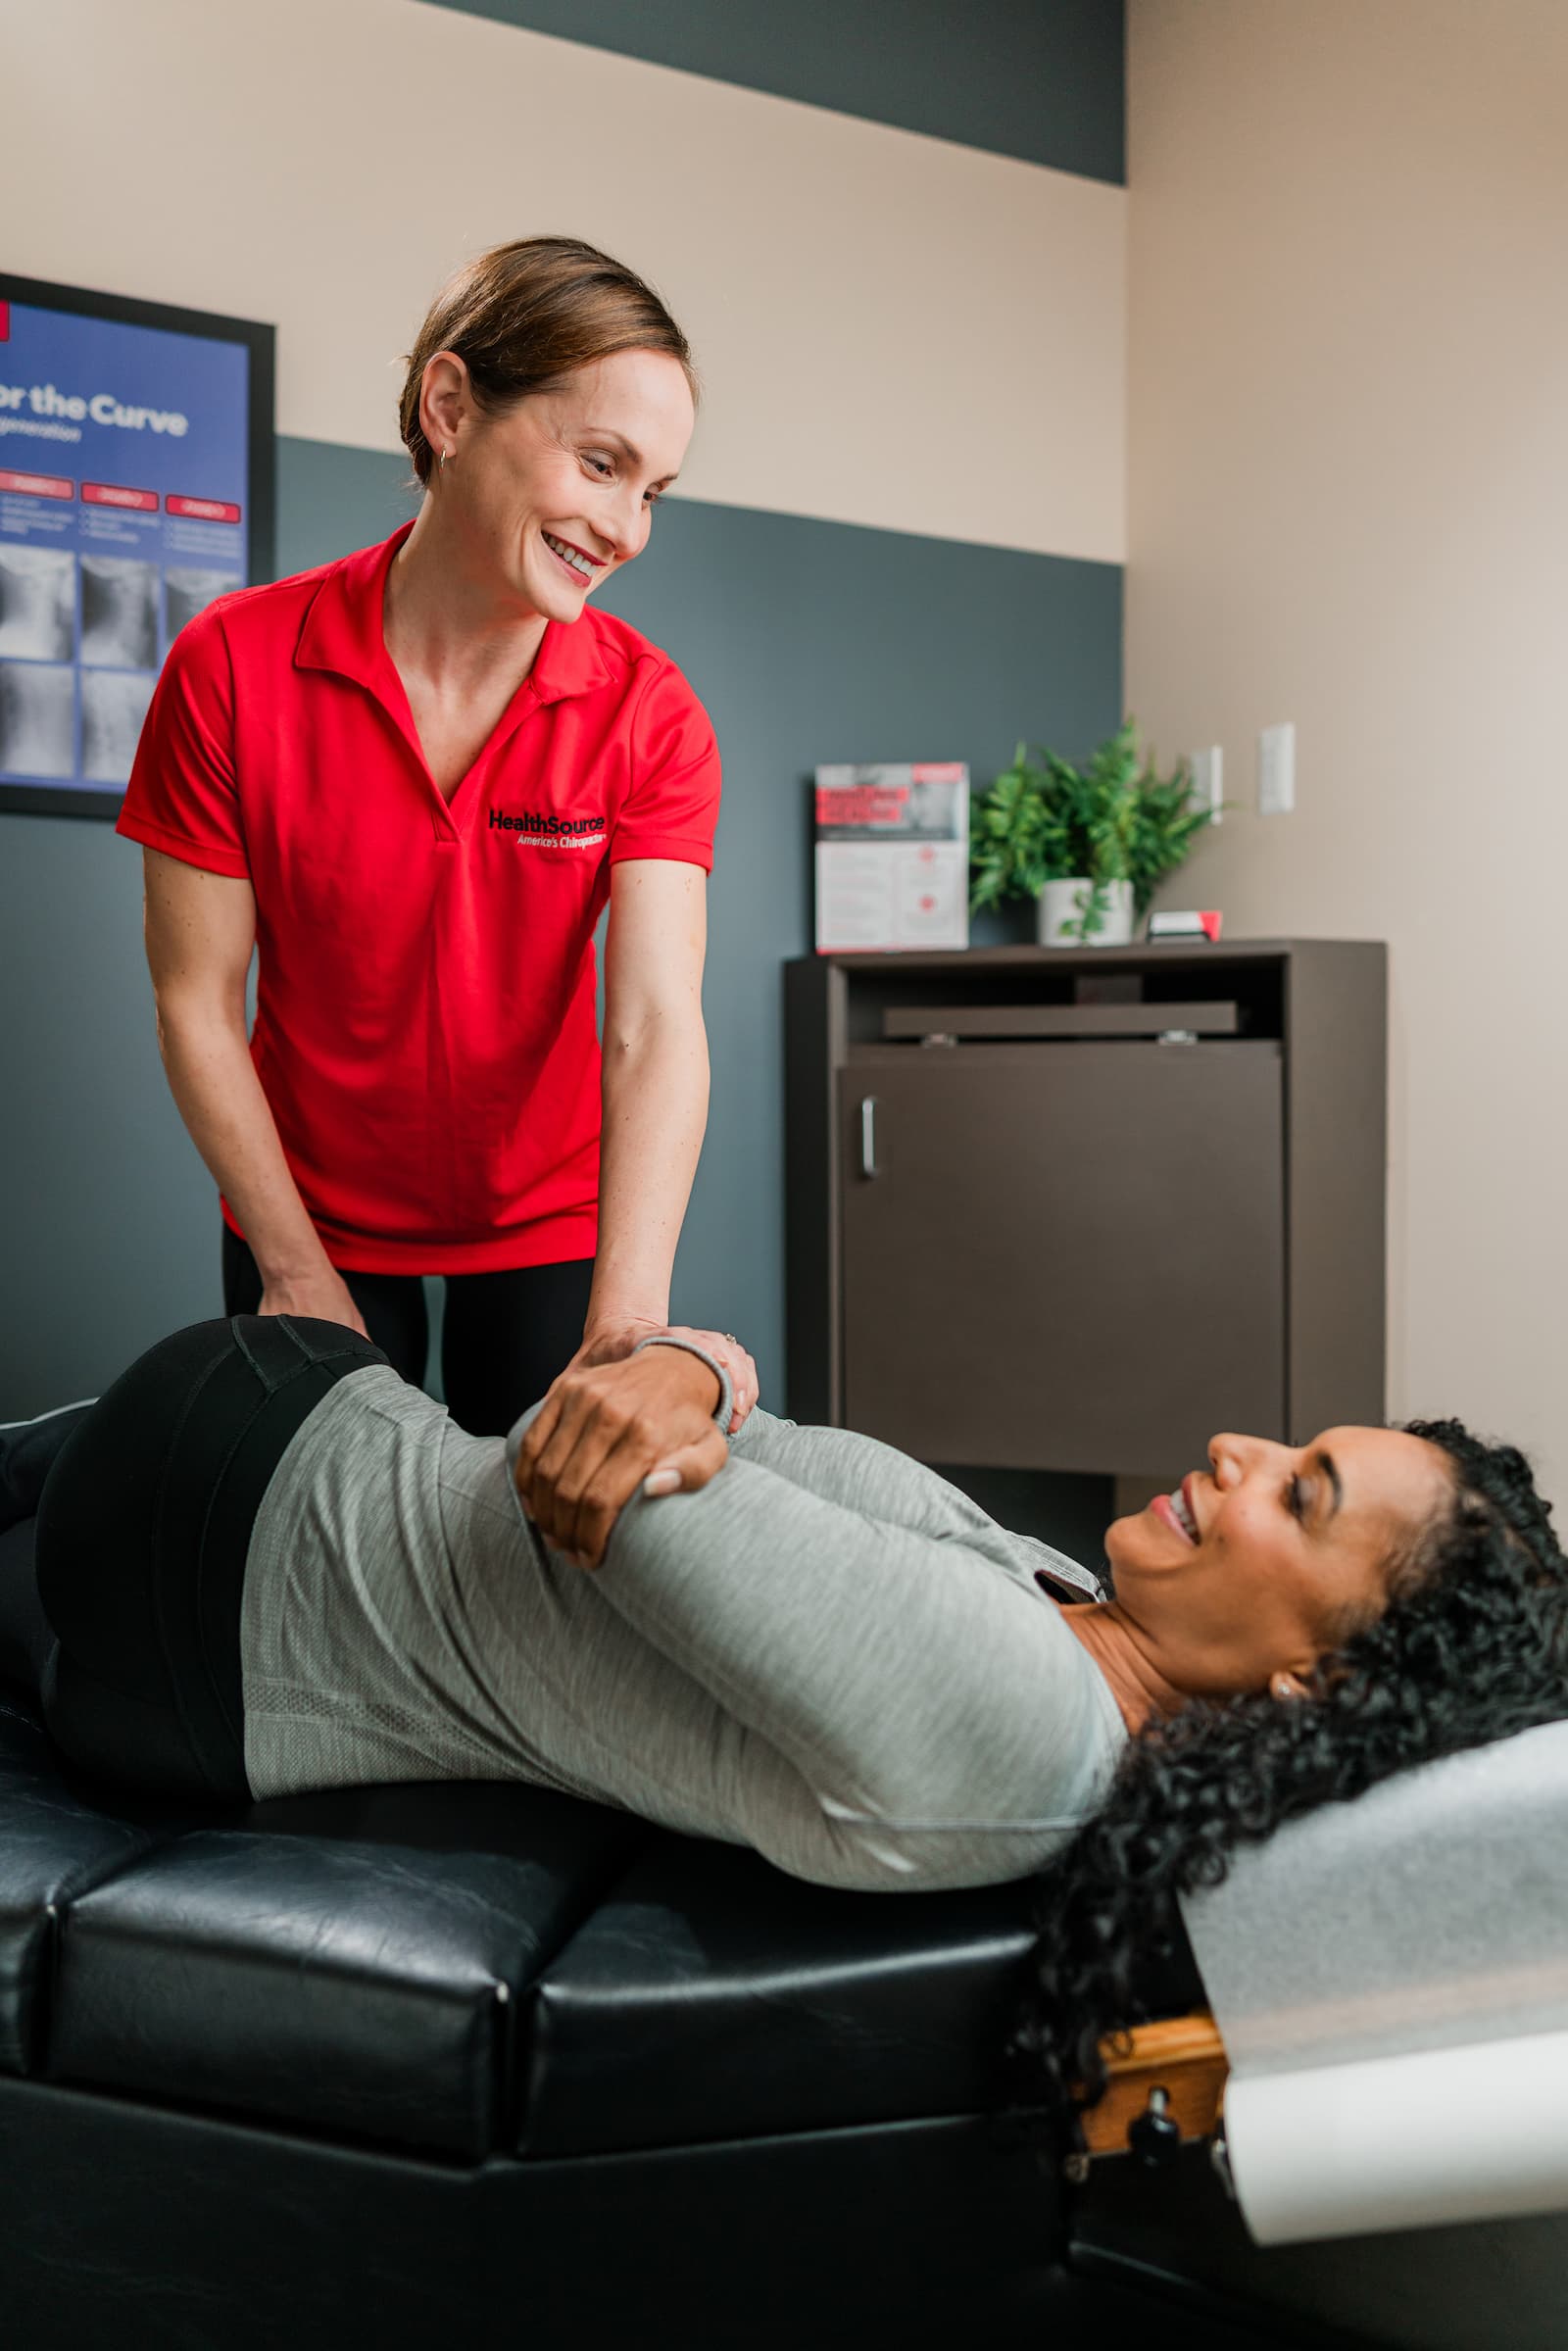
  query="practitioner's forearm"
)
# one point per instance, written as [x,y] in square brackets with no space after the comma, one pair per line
[655,1113]
[200,930]
[218,1096]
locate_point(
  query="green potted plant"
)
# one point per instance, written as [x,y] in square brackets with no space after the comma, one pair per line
[1089,845]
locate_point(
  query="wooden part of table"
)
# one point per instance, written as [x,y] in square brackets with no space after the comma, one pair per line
[1185,2057]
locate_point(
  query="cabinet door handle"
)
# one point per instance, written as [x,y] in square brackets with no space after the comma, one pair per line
[869,1165]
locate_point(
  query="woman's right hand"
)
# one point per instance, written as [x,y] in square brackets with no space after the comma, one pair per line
[324,1296]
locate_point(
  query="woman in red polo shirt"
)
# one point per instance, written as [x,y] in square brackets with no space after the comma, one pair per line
[412,780]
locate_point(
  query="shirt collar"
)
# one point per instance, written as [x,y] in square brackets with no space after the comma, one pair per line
[1054,1567]
[570,659]
[342,627]
[342,631]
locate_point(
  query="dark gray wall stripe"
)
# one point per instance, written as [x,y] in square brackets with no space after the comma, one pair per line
[330,498]
[1041,79]
[808,641]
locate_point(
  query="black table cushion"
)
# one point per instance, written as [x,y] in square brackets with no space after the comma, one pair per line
[53,1848]
[356,1962]
[710,1997]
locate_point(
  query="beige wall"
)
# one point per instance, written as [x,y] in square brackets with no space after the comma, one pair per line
[1349,506]
[894,331]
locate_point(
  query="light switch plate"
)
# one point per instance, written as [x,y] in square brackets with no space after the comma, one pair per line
[1276,769]
[1209,779]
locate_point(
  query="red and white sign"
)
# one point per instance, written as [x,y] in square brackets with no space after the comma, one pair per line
[37,485]
[892,856]
[109,492]
[202,510]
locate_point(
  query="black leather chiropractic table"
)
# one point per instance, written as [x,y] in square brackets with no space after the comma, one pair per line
[482,2065]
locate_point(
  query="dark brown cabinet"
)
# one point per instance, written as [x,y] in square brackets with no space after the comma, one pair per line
[1069,1211]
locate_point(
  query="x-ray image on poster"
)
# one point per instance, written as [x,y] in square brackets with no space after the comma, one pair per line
[37,603]
[135,486]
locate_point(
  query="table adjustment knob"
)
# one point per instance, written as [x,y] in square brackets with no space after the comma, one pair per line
[1154,2135]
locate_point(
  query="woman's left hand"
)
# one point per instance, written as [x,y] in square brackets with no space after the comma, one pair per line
[611,1342]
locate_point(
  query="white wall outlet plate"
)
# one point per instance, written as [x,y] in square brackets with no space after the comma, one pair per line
[1276,769]
[1209,779]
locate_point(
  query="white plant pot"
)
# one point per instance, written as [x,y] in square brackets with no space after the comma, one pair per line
[1063,908]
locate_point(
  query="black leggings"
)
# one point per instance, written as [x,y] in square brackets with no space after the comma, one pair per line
[505,1337]
[142,1531]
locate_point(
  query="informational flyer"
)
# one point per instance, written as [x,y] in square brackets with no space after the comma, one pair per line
[892,858]
[124,472]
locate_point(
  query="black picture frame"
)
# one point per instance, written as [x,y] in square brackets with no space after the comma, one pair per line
[260,341]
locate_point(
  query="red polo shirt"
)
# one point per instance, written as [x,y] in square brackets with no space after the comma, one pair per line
[424,1028]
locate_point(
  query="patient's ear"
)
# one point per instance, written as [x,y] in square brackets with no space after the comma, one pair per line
[1285,1686]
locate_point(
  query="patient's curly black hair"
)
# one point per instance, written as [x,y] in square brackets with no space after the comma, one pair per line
[1472,1646]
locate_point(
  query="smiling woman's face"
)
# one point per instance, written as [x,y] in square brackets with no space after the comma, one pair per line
[1250,1571]
[547,498]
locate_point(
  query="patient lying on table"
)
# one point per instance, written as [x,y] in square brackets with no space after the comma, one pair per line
[267,1564]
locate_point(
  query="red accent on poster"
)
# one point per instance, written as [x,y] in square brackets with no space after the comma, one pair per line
[202,510]
[862,804]
[37,485]
[5,321]
[108,492]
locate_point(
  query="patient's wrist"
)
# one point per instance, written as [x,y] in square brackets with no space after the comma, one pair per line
[723,1400]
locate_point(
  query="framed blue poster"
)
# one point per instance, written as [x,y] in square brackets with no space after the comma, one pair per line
[137,485]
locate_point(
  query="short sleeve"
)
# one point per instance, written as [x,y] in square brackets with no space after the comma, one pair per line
[182,798]
[673,804]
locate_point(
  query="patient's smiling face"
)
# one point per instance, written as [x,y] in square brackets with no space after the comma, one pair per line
[1252,1569]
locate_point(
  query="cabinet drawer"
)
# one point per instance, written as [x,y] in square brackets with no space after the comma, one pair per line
[1068,1256]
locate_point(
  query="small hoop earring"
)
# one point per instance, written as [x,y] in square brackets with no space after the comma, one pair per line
[445,453]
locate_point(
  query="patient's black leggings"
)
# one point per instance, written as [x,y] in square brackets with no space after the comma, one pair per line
[505,1336]
[142,1531]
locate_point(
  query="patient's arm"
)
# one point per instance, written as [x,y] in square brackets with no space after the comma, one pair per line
[937,1710]
[866,1475]
[880,1483]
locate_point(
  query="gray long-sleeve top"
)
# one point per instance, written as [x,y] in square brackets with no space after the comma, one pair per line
[827,1654]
